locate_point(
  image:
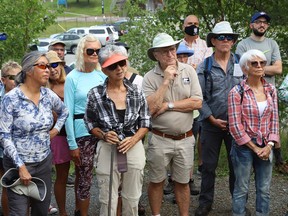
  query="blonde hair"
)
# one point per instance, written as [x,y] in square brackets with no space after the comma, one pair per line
[79,63]
[10,65]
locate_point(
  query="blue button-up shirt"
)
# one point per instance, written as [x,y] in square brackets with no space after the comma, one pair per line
[25,126]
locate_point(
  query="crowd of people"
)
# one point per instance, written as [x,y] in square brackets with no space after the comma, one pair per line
[199,93]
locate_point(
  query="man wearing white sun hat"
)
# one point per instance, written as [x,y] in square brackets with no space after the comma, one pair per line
[216,82]
[172,91]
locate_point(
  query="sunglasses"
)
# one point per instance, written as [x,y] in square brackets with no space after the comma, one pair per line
[223,37]
[10,77]
[42,66]
[54,65]
[115,65]
[91,51]
[255,64]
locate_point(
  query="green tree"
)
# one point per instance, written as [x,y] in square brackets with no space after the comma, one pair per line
[144,25]
[22,20]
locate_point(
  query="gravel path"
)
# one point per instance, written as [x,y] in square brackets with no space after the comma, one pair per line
[222,201]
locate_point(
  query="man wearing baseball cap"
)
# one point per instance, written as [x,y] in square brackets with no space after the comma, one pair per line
[172,91]
[259,25]
[216,82]
[59,47]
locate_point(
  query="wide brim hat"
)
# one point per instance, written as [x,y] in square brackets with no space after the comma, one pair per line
[223,28]
[113,59]
[36,189]
[52,57]
[182,49]
[161,40]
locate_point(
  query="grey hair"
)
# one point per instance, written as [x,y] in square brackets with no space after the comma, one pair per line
[249,55]
[79,64]
[7,66]
[109,50]
[27,63]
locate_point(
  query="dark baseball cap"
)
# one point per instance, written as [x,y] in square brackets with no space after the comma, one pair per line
[260,14]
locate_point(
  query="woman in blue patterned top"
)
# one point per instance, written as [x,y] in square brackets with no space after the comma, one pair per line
[117,114]
[26,122]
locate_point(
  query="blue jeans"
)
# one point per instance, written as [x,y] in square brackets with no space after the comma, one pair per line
[243,160]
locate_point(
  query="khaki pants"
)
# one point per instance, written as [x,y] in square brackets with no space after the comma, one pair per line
[132,180]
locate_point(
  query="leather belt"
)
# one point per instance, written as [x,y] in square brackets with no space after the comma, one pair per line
[178,137]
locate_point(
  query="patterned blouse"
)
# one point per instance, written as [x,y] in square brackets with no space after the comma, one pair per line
[24,126]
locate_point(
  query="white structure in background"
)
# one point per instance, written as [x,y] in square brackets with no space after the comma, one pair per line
[151,5]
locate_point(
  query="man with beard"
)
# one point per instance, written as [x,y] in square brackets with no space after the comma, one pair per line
[259,24]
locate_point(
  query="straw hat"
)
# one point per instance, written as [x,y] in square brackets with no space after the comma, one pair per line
[52,57]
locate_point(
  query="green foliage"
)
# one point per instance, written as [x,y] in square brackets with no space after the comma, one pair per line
[22,20]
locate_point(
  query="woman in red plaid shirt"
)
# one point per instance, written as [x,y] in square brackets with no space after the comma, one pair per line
[254,125]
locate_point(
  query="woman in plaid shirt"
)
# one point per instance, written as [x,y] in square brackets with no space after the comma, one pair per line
[254,125]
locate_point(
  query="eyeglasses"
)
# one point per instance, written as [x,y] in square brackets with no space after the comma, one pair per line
[261,22]
[91,51]
[115,65]
[54,65]
[223,37]
[166,51]
[10,77]
[42,66]
[255,64]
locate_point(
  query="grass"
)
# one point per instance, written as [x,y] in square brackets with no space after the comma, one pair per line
[78,12]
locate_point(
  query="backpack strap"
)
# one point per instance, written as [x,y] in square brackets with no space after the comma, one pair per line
[240,91]
[236,58]
[132,77]
[207,72]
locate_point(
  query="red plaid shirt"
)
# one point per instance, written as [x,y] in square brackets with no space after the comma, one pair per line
[245,121]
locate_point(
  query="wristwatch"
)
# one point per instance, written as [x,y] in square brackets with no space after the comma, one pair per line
[271,144]
[170,105]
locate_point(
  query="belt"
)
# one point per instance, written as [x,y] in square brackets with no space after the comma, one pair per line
[178,137]
[78,116]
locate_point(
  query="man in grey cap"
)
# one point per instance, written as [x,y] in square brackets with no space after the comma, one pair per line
[259,24]
[172,91]
[216,82]
[59,47]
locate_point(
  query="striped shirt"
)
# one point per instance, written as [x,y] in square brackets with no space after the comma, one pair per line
[245,121]
[101,110]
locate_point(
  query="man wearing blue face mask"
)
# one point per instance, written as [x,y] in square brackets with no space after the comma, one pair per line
[194,42]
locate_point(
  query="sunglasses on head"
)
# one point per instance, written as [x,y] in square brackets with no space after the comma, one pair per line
[10,77]
[42,66]
[223,37]
[256,63]
[115,65]
[91,51]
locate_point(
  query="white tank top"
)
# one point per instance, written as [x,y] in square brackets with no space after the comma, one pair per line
[261,106]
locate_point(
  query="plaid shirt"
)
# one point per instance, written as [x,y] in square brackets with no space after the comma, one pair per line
[245,122]
[101,111]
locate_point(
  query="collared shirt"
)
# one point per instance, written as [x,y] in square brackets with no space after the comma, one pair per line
[215,91]
[185,85]
[245,121]
[101,110]
[201,51]
[24,126]
[77,85]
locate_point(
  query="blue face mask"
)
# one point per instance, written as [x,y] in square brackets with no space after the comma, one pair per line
[192,30]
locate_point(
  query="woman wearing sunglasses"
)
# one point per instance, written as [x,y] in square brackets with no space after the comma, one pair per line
[26,127]
[82,145]
[8,72]
[59,145]
[117,114]
[254,125]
